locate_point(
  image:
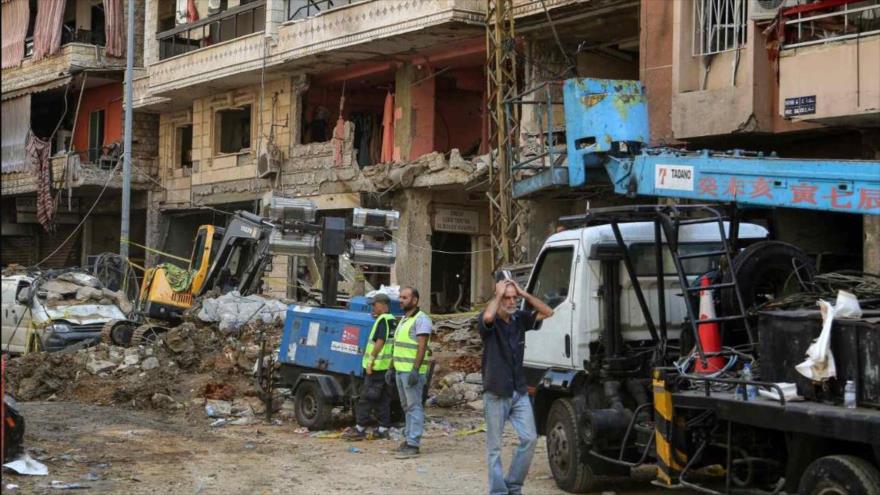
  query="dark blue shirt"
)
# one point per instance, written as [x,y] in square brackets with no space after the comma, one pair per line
[504,344]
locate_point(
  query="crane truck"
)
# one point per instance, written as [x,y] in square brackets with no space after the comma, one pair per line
[622,374]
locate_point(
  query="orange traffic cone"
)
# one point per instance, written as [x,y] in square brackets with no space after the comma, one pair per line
[710,334]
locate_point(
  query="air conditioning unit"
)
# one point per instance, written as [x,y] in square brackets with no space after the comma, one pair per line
[765,10]
[269,161]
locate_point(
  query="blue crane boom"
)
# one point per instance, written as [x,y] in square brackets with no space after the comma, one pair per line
[607,128]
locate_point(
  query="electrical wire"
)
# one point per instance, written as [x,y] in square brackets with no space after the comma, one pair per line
[76,229]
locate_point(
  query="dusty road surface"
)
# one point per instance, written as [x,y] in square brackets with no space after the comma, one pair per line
[115,450]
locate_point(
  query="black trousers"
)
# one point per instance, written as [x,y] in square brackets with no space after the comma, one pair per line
[381,406]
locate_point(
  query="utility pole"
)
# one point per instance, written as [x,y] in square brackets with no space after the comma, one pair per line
[126,147]
[504,211]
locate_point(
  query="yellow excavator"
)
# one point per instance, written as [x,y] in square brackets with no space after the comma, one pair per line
[225,259]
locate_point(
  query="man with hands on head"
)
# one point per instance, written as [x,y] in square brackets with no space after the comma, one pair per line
[503,329]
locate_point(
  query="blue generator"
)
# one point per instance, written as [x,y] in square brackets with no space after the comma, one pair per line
[321,357]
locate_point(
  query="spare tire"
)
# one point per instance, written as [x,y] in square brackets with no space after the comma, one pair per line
[765,271]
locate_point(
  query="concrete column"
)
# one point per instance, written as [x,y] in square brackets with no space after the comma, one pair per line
[871,223]
[86,242]
[276,14]
[153,229]
[413,266]
[414,103]
[151,26]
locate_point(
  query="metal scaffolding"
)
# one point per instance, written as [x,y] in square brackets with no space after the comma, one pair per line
[504,212]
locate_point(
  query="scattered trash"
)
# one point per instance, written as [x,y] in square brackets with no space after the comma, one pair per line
[819,363]
[91,476]
[789,391]
[219,422]
[472,431]
[250,446]
[60,485]
[302,430]
[11,486]
[28,465]
[326,434]
[218,408]
[355,450]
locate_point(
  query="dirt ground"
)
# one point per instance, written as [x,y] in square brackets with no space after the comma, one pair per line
[114,450]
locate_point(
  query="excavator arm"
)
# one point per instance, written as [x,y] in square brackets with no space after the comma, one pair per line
[245,240]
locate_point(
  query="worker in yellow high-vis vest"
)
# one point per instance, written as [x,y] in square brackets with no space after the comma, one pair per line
[375,396]
[411,359]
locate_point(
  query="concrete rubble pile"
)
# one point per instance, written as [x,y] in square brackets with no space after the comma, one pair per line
[428,168]
[190,365]
[81,288]
[458,388]
[458,333]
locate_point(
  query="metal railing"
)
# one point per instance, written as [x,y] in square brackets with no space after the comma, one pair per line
[719,26]
[804,27]
[301,9]
[224,26]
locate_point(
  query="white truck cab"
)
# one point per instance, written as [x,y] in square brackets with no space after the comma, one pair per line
[570,281]
[30,322]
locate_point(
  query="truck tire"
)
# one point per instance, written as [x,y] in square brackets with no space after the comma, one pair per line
[310,407]
[840,475]
[569,469]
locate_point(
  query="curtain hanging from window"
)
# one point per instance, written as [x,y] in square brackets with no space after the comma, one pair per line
[38,157]
[47,31]
[15,23]
[16,121]
[114,28]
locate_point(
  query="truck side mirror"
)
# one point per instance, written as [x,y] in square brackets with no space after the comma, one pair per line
[23,295]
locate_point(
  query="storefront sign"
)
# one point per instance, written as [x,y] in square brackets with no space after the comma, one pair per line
[457,221]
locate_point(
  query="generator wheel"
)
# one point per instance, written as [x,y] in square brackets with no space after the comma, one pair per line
[118,332]
[310,406]
[146,335]
[840,475]
[570,470]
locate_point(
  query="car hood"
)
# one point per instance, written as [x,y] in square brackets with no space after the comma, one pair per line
[83,314]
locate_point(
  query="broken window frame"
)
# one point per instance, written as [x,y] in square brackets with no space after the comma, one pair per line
[179,150]
[218,129]
[719,26]
[97,118]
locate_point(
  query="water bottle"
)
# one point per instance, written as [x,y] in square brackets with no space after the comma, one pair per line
[849,394]
[741,390]
[751,390]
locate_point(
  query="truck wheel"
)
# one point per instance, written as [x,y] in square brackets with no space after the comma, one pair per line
[311,409]
[570,471]
[840,475]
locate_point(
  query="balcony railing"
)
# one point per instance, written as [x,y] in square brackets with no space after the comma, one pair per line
[813,24]
[301,9]
[224,26]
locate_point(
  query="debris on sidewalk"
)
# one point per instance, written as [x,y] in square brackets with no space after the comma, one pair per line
[28,465]
[231,311]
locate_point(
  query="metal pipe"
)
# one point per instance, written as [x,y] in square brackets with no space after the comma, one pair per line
[126,150]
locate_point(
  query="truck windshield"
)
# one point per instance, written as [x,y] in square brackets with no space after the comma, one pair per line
[553,276]
[645,266]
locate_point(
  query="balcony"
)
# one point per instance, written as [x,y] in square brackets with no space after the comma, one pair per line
[829,67]
[318,36]
[228,25]
[48,71]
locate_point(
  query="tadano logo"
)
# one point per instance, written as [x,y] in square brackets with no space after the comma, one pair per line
[678,177]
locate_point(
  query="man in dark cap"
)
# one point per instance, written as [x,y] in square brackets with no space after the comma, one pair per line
[377,359]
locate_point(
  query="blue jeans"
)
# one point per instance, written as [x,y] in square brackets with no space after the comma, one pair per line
[411,402]
[518,409]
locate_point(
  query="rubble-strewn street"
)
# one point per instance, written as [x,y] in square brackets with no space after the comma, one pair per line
[116,450]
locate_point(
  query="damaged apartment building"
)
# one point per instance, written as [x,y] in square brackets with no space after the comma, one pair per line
[383,103]
[349,104]
[62,97]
